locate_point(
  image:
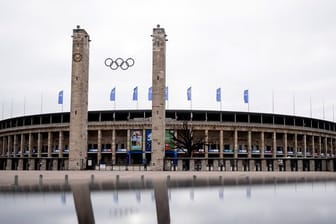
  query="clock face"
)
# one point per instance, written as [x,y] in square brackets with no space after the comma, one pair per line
[77,57]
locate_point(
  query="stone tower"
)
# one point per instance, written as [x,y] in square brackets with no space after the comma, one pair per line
[79,99]
[158,98]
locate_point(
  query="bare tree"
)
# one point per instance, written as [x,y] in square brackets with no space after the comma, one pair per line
[185,139]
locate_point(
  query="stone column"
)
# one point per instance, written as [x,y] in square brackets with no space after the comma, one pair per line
[20,164]
[276,165]
[39,144]
[235,146]
[192,165]
[144,145]
[49,143]
[55,164]
[215,165]
[325,146]
[31,164]
[330,166]
[320,145]
[9,146]
[206,148]
[274,145]
[43,164]
[299,165]
[113,146]
[60,144]
[295,144]
[79,99]
[158,98]
[240,165]
[30,144]
[228,165]
[9,164]
[22,145]
[331,146]
[311,165]
[249,144]
[262,139]
[304,146]
[204,165]
[264,165]
[15,145]
[99,154]
[285,144]
[179,165]
[252,165]
[313,146]
[221,144]
[288,166]
[324,165]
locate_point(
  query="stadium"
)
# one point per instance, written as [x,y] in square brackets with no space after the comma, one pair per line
[234,141]
[151,139]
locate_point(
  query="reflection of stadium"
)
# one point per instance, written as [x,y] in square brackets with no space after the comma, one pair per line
[233,141]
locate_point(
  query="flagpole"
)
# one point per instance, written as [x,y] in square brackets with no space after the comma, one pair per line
[311,108]
[333,111]
[2,111]
[293,104]
[12,107]
[323,111]
[41,103]
[24,105]
[273,102]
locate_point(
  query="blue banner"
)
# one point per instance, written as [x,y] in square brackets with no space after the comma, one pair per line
[218,95]
[246,96]
[135,94]
[60,97]
[150,89]
[166,93]
[189,93]
[112,95]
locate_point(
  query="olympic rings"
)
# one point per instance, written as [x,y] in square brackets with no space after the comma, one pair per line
[119,63]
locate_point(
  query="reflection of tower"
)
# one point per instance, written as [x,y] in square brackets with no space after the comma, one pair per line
[158,97]
[79,99]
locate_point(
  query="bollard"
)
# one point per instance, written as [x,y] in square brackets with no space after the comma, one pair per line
[220,180]
[92,178]
[142,178]
[16,180]
[117,178]
[41,179]
[66,179]
[194,177]
[168,178]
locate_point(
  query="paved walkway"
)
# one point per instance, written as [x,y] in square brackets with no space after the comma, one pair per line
[8,178]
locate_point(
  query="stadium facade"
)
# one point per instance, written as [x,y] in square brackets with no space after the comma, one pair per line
[121,140]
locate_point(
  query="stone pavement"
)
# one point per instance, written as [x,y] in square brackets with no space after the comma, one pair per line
[8,178]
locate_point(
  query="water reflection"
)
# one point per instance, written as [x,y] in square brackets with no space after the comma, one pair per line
[171,202]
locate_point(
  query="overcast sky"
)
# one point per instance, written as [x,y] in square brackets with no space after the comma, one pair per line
[286,47]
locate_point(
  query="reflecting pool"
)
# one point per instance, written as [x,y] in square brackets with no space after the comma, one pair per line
[163,203]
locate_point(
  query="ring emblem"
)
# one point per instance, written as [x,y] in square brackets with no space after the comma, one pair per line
[119,63]
[77,57]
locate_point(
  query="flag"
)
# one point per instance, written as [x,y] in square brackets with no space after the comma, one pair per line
[60,97]
[189,93]
[218,95]
[166,93]
[150,93]
[246,96]
[135,94]
[112,95]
